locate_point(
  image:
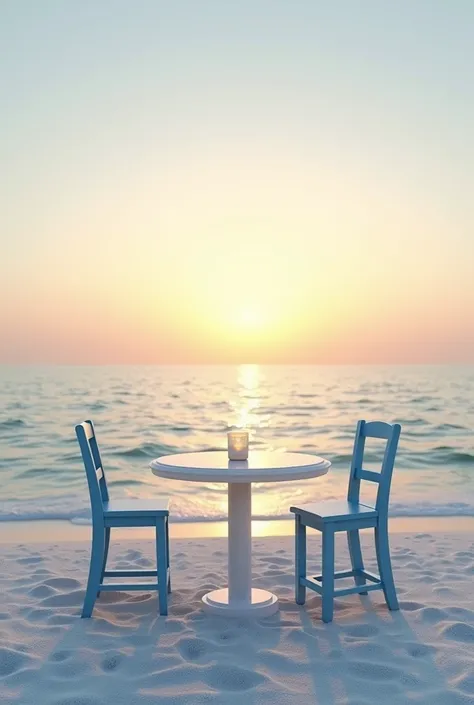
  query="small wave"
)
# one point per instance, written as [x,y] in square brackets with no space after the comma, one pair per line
[463,458]
[291,410]
[347,458]
[98,406]
[147,450]
[210,448]
[450,427]
[452,456]
[413,422]
[12,423]
[37,471]
[45,514]
[124,483]
[341,458]
[420,509]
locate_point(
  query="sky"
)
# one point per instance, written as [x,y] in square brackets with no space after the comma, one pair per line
[260,181]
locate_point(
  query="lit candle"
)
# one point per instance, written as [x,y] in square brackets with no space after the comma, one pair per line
[238,445]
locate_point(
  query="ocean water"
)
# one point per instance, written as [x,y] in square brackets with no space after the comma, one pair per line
[143,412]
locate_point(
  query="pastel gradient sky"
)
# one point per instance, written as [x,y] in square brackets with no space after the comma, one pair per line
[252,181]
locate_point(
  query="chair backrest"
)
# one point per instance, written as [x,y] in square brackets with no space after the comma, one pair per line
[374,429]
[95,472]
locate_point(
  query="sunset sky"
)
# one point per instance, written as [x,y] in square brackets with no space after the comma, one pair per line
[253,181]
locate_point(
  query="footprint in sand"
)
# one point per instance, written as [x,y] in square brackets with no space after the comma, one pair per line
[433,615]
[194,649]
[232,678]
[63,583]
[361,630]
[462,613]
[408,606]
[41,591]
[12,661]
[59,656]
[419,650]
[30,560]
[458,631]
[228,635]
[463,556]
[111,661]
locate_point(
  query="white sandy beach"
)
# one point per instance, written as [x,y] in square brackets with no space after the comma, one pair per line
[127,655]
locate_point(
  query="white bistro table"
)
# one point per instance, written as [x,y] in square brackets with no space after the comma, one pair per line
[239,599]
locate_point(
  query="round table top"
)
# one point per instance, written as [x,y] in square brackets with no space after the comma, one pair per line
[261,466]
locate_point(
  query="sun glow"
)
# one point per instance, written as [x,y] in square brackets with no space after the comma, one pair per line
[247,402]
[250,318]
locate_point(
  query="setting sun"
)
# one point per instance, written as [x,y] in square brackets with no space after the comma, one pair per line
[250,318]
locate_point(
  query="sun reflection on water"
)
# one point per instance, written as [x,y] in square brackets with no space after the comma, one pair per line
[245,405]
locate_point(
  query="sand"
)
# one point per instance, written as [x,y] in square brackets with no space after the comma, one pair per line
[127,655]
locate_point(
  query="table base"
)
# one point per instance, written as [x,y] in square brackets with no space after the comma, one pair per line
[263,604]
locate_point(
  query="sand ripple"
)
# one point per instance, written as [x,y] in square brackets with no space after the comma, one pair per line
[127,655]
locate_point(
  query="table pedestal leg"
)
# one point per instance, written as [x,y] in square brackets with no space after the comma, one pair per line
[240,599]
[240,542]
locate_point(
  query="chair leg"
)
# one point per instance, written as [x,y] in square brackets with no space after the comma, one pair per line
[385,566]
[328,574]
[300,560]
[93,582]
[106,553]
[355,552]
[162,566]
[167,521]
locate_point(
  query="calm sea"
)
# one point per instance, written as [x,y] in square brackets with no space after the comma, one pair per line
[143,412]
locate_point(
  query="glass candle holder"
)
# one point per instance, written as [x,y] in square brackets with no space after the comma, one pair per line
[238,445]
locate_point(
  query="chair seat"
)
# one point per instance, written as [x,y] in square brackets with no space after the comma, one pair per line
[136,508]
[336,510]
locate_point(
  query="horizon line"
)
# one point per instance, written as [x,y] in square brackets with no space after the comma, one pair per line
[237,364]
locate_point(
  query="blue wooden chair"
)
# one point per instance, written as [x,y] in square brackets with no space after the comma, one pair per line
[351,516]
[107,513]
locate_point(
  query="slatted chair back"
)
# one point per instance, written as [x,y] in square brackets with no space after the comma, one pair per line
[374,429]
[94,470]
